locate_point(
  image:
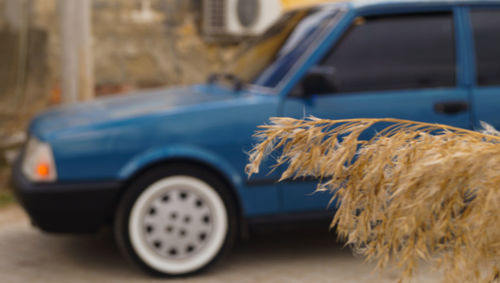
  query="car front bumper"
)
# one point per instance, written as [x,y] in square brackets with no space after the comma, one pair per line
[66,207]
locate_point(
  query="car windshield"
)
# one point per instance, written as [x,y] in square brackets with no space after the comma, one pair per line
[267,59]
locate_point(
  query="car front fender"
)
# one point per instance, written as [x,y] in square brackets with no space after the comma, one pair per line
[186,152]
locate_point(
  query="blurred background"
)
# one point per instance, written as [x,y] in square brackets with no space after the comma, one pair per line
[133,44]
[55,52]
[66,51]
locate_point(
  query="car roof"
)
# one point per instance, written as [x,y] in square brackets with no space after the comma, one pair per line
[367,4]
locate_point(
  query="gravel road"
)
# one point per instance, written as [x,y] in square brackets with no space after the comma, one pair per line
[28,255]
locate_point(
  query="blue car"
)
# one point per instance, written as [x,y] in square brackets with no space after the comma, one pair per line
[165,167]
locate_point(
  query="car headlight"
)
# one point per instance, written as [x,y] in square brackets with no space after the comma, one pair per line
[38,162]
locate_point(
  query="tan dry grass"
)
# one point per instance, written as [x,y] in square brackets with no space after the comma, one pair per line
[413,192]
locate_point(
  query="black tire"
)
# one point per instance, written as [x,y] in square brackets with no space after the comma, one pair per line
[186,192]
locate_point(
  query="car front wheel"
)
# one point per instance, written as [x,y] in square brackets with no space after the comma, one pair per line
[175,220]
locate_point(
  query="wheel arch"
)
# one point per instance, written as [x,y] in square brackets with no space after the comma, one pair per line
[187,156]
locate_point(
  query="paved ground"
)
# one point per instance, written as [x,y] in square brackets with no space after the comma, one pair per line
[28,255]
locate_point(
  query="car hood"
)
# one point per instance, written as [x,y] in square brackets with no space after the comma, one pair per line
[126,107]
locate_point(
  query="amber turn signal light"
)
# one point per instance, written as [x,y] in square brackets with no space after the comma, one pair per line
[43,170]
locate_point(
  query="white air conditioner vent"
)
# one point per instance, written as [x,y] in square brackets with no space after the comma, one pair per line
[214,16]
[239,17]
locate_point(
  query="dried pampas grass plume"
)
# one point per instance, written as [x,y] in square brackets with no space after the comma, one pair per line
[413,192]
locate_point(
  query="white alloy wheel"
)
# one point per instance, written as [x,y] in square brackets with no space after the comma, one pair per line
[178,225]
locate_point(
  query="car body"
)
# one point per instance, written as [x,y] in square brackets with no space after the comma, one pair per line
[430,61]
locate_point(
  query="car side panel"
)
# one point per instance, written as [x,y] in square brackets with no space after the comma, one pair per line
[218,136]
[410,104]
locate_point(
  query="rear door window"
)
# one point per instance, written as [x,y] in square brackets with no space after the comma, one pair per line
[486,27]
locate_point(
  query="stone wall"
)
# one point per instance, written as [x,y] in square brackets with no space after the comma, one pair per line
[136,43]
[166,50]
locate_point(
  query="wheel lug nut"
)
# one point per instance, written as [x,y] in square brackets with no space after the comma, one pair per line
[206,219]
[199,203]
[172,252]
[157,244]
[202,236]
[182,233]
[183,195]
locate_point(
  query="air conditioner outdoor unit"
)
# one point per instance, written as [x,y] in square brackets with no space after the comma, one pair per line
[239,17]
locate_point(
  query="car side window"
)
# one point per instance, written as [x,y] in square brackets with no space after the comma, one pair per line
[486,27]
[410,51]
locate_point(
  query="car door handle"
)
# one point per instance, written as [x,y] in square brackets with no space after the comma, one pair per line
[451,107]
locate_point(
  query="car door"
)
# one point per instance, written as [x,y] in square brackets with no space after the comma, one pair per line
[485,23]
[401,66]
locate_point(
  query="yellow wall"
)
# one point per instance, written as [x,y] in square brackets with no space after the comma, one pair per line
[294,4]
